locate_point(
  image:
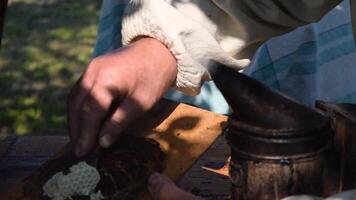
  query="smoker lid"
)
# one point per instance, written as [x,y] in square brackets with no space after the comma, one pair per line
[346,110]
[255,104]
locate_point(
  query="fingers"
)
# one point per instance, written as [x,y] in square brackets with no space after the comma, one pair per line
[127,111]
[93,110]
[161,187]
[155,185]
[125,77]
[74,102]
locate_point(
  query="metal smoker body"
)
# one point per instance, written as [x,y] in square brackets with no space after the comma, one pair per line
[340,174]
[277,145]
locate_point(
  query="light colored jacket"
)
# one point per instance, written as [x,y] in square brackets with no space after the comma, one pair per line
[202,32]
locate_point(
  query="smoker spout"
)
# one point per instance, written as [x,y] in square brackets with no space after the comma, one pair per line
[254,103]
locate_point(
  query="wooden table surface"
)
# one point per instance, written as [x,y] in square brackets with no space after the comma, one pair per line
[208,176]
[189,137]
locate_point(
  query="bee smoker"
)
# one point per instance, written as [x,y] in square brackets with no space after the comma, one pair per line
[277,145]
[341,156]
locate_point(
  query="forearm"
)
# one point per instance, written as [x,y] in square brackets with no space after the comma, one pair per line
[162,64]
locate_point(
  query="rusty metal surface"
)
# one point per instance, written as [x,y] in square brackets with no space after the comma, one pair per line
[261,180]
[277,144]
[342,153]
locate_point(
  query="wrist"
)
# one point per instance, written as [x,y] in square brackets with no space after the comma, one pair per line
[156,57]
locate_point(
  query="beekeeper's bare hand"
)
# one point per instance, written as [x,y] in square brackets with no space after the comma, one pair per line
[115,89]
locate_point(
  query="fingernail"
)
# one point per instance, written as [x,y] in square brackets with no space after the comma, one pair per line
[105,141]
[154,179]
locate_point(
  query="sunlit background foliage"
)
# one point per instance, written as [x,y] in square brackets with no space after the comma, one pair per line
[46,45]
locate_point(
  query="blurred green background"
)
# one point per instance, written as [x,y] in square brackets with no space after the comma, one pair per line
[46,45]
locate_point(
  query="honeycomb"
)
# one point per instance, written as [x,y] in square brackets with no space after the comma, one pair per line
[81,180]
